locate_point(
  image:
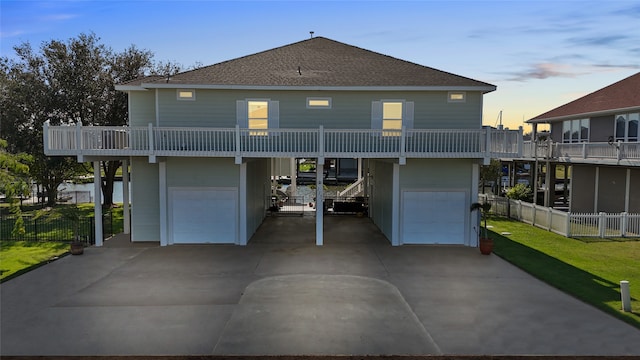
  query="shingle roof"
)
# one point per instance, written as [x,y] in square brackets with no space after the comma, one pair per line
[319,62]
[624,94]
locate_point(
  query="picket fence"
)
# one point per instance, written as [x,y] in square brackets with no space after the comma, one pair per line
[600,225]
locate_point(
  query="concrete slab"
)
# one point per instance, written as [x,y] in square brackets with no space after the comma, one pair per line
[355,295]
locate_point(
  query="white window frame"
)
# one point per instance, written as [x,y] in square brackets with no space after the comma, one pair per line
[451,94]
[179,93]
[310,106]
[628,118]
[393,132]
[258,131]
[575,126]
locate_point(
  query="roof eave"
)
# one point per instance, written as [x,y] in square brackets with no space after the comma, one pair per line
[582,115]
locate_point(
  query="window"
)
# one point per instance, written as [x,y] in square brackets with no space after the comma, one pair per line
[575,131]
[318,103]
[391,118]
[186,94]
[457,96]
[627,127]
[258,116]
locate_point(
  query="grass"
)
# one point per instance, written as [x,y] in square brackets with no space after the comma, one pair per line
[17,257]
[590,271]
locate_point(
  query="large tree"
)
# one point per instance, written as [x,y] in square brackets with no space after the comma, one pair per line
[65,83]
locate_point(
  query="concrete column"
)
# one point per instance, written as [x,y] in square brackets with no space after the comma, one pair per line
[359,168]
[294,177]
[627,191]
[97,201]
[125,197]
[595,190]
[395,206]
[319,203]
[474,229]
[242,232]
[162,179]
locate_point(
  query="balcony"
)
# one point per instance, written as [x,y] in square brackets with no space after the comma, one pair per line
[615,153]
[123,141]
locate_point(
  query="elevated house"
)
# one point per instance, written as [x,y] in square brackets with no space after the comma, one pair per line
[201,143]
[595,138]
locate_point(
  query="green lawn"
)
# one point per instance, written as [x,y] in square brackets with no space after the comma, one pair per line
[588,270]
[17,257]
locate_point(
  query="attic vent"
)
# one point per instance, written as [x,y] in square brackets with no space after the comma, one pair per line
[311,32]
[299,71]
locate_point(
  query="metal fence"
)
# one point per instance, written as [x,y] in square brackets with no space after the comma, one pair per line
[47,228]
[601,225]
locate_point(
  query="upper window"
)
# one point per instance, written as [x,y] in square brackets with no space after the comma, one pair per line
[627,127]
[391,118]
[574,131]
[186,94]
[318,103]
[457,96]
[258,111]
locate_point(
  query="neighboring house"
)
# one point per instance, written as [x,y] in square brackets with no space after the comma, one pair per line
[201,143]
[596,138]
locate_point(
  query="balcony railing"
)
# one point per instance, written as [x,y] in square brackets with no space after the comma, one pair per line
[153,141]
[602,152]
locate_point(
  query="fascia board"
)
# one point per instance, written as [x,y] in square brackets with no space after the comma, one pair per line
[484,89]
[584,115]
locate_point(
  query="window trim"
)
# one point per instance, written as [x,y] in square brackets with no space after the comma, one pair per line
[451,94]
[574,127]
[627,121]
[258,131]
[392,132]
[309,106]
[179,96]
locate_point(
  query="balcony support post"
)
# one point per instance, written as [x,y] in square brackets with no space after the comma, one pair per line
[152,156]
[242,231]
[97,202]
[45,136]
[320,147]
[238,157]
[487,146]
[162,184]
[79,142]
[403,142]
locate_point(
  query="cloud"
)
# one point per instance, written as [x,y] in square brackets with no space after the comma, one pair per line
[10,34]
[58,17]
[604,40]
[541,71]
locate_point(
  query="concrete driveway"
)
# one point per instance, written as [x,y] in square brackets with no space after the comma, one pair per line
[281,294]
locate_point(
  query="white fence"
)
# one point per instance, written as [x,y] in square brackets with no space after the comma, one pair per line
[601,225]
[616,151]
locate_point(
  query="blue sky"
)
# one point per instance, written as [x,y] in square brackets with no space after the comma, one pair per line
[540,54]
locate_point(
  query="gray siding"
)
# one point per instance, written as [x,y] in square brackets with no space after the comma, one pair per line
[634,192]
[381,195]
[350,109]
[142,108]
[145,213]
[258,186]
[612,189]
[601,128]
[582,188]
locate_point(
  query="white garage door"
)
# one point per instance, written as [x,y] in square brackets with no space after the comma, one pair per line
[202,215]
[430,217]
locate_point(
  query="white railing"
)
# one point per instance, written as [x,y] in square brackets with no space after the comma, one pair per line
[354,189]
[601,225]
[235,142]
[600,151]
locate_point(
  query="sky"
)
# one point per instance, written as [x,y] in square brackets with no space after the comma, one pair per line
[539,54]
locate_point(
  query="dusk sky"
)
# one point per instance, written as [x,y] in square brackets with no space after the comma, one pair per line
[540,54]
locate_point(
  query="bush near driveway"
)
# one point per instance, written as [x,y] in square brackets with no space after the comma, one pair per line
[590,271]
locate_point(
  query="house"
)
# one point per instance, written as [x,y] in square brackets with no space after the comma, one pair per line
[595,138]
[202,143]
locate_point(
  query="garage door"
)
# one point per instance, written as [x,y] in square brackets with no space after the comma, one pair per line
[203,215]
[430,217]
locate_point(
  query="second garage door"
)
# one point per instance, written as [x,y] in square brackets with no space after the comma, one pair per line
[433,217]
[203,215]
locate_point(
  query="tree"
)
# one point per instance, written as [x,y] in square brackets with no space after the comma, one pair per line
[491,172]
[65,83]
[14,183]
